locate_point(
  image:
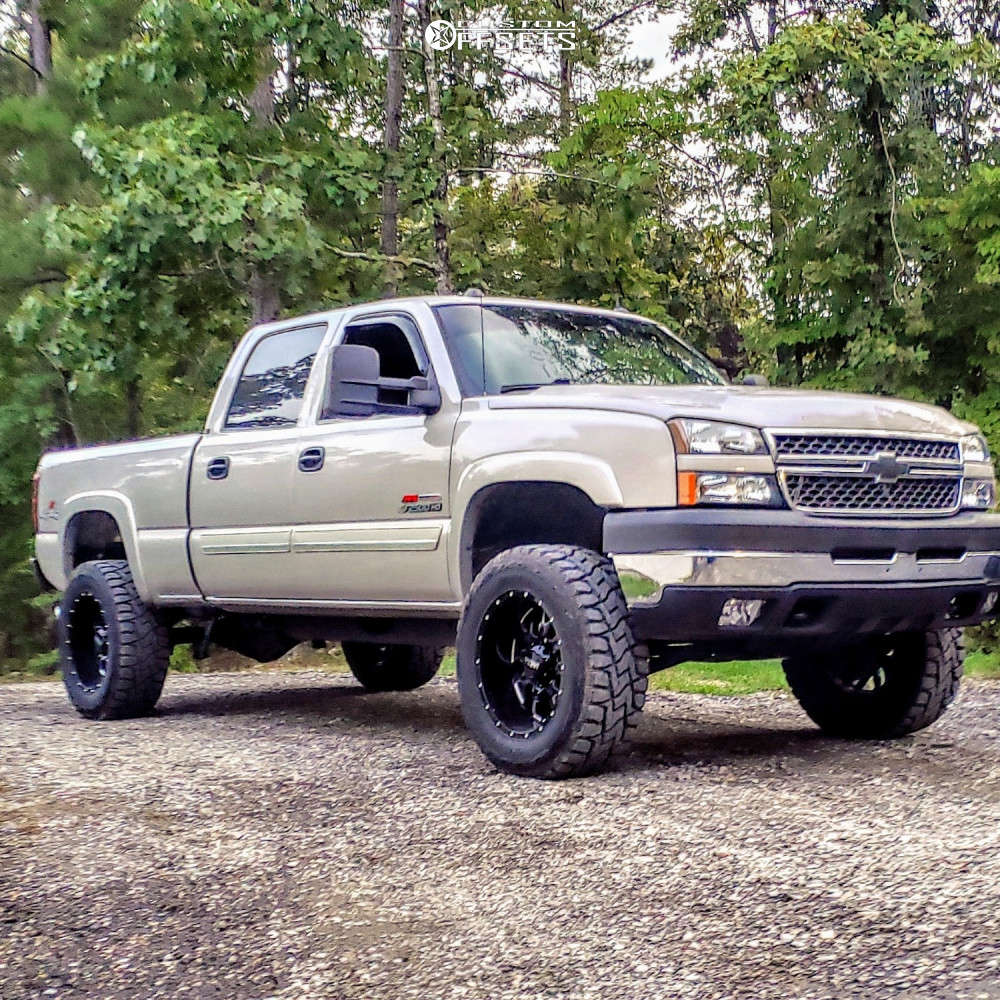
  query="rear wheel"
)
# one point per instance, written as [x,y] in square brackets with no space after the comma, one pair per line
[114,650]
[391,666]
[882,687]
[550,676]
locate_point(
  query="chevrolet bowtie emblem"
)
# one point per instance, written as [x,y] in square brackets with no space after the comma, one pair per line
[886,468]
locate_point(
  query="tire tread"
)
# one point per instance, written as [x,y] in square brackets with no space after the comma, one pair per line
[940,675]
[143,646]
[617,665]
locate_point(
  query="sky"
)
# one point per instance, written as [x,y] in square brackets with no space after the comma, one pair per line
[649,40]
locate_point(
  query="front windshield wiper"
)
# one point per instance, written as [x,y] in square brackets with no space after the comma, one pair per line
[527,386]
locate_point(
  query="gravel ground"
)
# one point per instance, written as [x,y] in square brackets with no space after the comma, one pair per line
[283,835]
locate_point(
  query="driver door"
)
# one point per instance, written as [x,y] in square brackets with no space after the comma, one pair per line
[372,513]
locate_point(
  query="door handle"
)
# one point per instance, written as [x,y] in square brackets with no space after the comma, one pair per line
[218,468]
[311,460]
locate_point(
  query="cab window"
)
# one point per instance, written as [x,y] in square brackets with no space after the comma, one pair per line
[273,381]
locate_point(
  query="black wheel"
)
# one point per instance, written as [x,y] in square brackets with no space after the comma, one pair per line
[882,687]
[391,667]
[113,649]
[550,676]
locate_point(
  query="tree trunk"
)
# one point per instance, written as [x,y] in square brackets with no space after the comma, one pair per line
[292,77]
[565,83]
[442,254]
[265,295]
[133,405]
[393,112]
[66,433]
[262,102]
[39,45]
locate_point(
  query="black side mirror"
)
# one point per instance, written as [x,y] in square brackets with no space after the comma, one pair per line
[422,391]
[354,381]
[355,385]
[755,380]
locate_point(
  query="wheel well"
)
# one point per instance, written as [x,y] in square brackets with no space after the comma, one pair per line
[92,534]
[508,514]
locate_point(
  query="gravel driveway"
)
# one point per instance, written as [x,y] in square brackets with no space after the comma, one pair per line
[285,835]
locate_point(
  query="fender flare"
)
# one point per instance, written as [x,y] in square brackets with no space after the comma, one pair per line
[117,506]
[591,476]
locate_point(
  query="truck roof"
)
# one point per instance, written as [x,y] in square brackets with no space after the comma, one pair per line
[442,300]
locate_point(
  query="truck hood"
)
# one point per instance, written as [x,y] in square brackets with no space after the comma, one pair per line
[755,406]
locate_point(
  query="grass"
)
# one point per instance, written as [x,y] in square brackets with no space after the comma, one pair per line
[750,676]
[738,677]
[984,664]
[735,677]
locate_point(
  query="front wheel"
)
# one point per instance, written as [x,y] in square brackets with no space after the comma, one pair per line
[114,650]
[550,676]
[882,687]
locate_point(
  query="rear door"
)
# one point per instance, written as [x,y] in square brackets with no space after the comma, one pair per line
[372,514]
[243,473]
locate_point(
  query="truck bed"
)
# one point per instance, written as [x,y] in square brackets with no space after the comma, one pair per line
[144,484]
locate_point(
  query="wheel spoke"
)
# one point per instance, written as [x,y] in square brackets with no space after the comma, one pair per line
[520,664]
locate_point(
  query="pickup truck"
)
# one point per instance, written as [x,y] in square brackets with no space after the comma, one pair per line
[573,497]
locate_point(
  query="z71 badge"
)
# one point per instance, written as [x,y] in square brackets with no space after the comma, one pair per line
[421,503]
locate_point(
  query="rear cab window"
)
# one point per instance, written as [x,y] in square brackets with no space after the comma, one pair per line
[273,381]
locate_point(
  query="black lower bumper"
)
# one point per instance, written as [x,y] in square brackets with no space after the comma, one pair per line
[806,610]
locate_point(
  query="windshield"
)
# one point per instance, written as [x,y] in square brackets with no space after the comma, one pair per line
[498,348]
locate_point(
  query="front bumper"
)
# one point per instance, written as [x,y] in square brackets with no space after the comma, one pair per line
[815,576]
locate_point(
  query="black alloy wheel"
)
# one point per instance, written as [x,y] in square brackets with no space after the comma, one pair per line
[519,656]
[550,676]
[87,634]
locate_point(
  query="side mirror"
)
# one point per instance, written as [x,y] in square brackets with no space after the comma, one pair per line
[355,385]
[755,380]
[422,391]
[354,381]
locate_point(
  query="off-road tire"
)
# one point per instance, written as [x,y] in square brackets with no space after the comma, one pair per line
[603,669]
[919,680]
[391,667]
[127,678]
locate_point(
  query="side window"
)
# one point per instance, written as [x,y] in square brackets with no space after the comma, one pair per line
[400,351]
[270,390]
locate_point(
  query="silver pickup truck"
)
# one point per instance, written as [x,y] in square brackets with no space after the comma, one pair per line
[571,496]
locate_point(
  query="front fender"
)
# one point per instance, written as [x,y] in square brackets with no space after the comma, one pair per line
[592,476]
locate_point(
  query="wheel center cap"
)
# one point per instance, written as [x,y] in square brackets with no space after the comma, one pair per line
[534,659]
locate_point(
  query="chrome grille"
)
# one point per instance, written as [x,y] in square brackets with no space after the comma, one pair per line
[862,446]
[846,494]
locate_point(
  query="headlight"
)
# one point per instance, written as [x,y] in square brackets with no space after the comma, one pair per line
[979,494]
[735,489]
[709,437]
[974,448]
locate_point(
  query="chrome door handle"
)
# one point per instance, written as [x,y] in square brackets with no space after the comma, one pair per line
[218,468]
[311,460]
